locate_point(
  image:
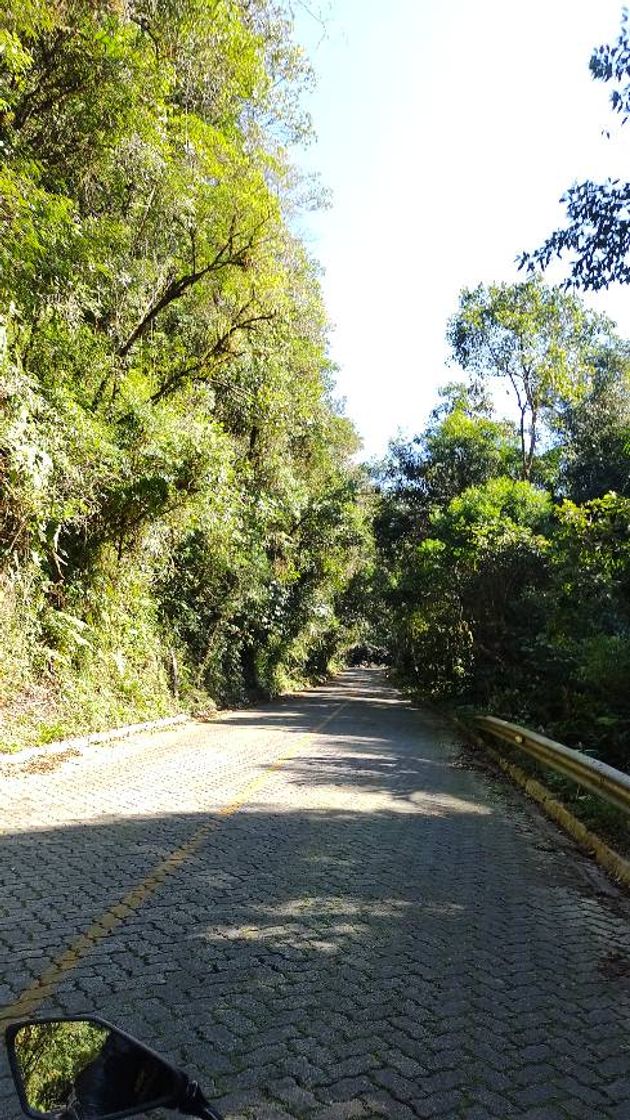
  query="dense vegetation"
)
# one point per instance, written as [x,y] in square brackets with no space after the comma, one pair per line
[181,522]
[179,514]
[505,545]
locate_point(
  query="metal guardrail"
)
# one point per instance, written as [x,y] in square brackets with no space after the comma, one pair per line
[596,776]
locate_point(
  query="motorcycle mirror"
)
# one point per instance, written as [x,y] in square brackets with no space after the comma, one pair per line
[87,1069]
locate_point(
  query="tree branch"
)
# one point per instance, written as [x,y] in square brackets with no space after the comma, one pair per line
[218,350]
[225,257]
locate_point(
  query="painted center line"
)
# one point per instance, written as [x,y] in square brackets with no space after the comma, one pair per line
[43,987]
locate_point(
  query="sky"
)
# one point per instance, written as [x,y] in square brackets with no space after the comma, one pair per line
[447,131]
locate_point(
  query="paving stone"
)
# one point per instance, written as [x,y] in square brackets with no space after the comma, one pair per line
[342,1110]
[297,1099]
[367,931]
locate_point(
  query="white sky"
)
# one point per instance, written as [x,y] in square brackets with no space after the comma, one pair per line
[447,131]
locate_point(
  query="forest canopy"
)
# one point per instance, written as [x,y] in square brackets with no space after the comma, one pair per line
[179,509]
[183,522]
[504,546]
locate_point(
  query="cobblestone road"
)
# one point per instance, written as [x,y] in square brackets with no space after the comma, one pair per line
[363,929]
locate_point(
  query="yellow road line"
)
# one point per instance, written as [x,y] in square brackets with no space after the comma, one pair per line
[32,998]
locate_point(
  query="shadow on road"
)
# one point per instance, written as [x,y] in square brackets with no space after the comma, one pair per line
[373,928]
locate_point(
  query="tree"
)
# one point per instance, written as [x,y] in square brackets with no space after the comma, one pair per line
[175,479]
[594,431]
[506,594]
[587,629]
[596,238]
[537,339]
[465,599]
[463,445]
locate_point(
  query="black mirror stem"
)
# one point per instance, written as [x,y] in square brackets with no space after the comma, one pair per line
[210,1114]
[193,1103]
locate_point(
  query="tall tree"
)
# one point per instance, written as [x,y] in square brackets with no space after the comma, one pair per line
[537,339]
[175,479]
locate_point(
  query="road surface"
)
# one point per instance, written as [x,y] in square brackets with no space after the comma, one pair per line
[318,913]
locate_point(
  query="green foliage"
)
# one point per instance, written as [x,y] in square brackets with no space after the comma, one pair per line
[462,446]
[595,432]
[511,594]
[179,511]
[465,586]
[596,238]
[539,340]
[51,1056]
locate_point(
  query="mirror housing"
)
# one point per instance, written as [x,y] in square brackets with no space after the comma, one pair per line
[84,1068]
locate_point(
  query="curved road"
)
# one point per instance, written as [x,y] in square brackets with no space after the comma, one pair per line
[319,914]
